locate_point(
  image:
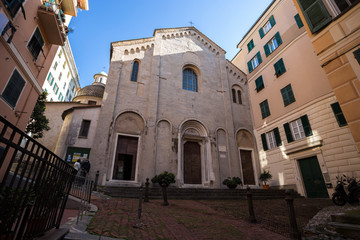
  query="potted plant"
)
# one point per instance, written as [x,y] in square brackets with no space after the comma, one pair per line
[232,182]
[164,179]
[265,177]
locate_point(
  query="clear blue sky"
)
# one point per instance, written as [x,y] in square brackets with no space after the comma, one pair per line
[224,22]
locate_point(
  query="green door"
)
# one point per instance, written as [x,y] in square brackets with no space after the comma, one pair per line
[313,178]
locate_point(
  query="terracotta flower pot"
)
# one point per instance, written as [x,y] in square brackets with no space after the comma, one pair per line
[266,187]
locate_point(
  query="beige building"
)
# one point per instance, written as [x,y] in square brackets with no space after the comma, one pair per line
[173,103]
[334,30]
[302,135]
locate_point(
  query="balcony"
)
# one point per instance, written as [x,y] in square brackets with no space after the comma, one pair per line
[52,21]
[69,7]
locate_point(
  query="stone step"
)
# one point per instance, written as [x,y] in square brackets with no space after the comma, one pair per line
[347,230]
[346,218]
[195,193]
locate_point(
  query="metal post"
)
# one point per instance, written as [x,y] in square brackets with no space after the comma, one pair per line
[164,186]
[139,224]
[252,218]
[146,198]
[295,234]
[96,181]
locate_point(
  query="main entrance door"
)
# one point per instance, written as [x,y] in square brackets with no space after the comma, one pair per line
[192,163]
[247,167]
[125,159]
[313,178]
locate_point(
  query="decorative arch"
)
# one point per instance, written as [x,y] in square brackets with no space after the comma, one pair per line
[130,122]
[236,94]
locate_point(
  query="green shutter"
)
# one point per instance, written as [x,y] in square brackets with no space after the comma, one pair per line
[282,66]
[261,32]
[277,137]
[250,66]
[306,125]
[289,136]
[315,14]
[272,20]
[278,38]
[264,143]
[49,76]
[258,55]
[259,83]
[339,114]
[250,45]
[357,55]
[267,50]
[298,21]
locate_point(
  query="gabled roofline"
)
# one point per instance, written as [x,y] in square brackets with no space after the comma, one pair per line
[233,65]
[257,20]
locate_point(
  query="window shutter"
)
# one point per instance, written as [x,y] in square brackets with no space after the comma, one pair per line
[272,20]
[339,114]
[306,125]
[277,69]
[298,21]
[264,143]
[250,66]
[258,55]
[278,38]
[289,136]
[259,83]
[250,45]
[267,50]
[282,66]
[261,32]
[315,14]
[277,137]
[357,55]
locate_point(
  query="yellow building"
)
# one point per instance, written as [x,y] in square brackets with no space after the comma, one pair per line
[302,137]
[334,30]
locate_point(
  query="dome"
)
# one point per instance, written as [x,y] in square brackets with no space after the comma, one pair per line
[101,73]
[95,90]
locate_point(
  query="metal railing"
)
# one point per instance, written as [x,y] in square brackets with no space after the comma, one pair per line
[35,185]
[81,189]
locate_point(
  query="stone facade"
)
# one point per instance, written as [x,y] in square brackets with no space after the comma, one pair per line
[160,121]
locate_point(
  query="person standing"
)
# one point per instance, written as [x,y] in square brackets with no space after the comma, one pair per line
[85,167]
[77,165]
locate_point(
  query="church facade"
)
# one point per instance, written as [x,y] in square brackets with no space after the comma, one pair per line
[172,102]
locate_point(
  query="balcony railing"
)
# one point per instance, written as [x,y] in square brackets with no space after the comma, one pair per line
[52,20]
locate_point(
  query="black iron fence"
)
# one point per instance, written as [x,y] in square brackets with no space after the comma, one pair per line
[35,185]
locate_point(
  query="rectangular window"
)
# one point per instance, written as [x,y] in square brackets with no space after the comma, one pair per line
[64,85]
[91,102]
[84,129]
[64,65]
[250,45]
[279,67]
[298,21]
[60,95]
[271,139]
[13,6]
[298,129]
[268,25]
[259,84]
[60,76]
[13,89]
[56,88]
[55,65]
[36,43]
[254,62]
[68,74]
[50,79]
[264,107]
[357,55]
[340,118]
[273,44]
[287,95]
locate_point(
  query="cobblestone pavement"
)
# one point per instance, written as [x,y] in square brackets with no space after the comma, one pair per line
[182,219]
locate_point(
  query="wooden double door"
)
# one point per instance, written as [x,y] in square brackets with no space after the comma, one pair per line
[192,163]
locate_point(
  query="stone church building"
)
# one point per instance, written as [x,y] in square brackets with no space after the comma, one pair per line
[173,102]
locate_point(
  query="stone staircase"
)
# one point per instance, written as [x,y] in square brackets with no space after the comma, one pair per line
[195,193]
[346,224]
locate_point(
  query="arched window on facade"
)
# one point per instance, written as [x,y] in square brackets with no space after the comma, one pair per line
[233,95]
[135,71]
[236,94]
[190,80]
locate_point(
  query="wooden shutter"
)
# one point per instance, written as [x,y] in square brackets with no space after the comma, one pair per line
[339,114]
[250,45]
[258,55]
[315,14]
[298,21]
[261,32]
[278,38]
[306,125]
[259,83]
[250,66]
[277,137]
[272,20]
[264,143]
[288,133]
[267,50]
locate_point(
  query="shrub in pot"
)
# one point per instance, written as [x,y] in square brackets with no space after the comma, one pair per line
[265,177]
[232,182]
[164,179]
